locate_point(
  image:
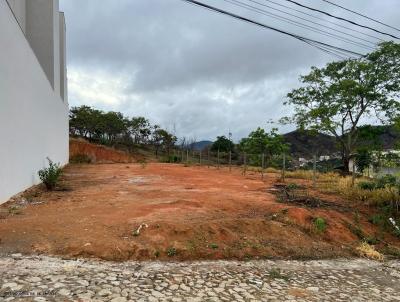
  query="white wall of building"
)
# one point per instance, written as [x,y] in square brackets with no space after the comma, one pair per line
[33,117]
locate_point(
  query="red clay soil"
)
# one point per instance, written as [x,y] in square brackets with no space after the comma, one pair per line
[185,212]
[98,153]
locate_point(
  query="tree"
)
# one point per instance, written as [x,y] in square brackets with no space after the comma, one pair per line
[338,98]
[363,159]
[140,129]
[261,142]
[222,144]
[162,138]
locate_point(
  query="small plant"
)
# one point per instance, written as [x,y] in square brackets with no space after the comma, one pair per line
[292,186]
[14,210]
[319,224]
[157,253]
[356,230]
[372,240]
[214,246]
[276,274]
[171,251]
[50,176]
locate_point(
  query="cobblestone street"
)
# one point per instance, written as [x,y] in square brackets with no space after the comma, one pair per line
[54,279]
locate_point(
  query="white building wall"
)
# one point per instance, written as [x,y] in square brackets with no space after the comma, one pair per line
[33,117]
[43,34]
[19,9]
[63,60]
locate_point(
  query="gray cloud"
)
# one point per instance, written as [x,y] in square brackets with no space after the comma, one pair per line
[180,65]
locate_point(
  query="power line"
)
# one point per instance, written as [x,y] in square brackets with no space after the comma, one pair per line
[312,22]
[343,19]
[354,12]
[302,25]
[298,37]
[324,20]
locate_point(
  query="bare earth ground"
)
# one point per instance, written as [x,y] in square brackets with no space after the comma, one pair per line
[186,213]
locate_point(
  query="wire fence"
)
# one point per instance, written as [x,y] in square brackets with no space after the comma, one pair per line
[264,163]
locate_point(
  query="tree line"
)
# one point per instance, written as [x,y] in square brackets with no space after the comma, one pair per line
[113,128]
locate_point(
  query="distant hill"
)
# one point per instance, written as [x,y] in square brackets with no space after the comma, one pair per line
[388,137]
[306,143]
[199,146]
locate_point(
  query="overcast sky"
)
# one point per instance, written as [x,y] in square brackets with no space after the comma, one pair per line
[189,69]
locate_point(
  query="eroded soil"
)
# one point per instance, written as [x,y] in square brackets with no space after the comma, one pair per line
[185,213]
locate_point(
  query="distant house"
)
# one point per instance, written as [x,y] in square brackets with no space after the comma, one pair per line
[33,91]
[390,164]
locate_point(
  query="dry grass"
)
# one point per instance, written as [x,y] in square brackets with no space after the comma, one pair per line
[303,174]
[368,251]
[336,184]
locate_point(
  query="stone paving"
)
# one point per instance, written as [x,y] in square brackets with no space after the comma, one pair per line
[40,278]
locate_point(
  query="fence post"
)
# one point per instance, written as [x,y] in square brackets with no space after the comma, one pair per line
[230,161]
[200,158]
[208,157]
[283,167]
[315,171]
[187,156]
[353,176]
[218,159]
[245,164]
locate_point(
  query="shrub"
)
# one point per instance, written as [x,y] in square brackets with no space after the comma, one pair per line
[171,251]
[50,176]
[320,224]
[367,185]
[386,181]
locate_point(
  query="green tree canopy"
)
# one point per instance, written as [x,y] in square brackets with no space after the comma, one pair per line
[262,142]
[222,144]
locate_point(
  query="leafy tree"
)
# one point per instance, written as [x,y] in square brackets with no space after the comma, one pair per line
[363,159]
[338,98]
[140,129]
[261,142]
[222,144]
[162,138]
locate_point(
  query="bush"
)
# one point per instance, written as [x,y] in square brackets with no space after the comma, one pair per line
[367,185]
[50,176]
[171,251]
[386,181]
[319,224]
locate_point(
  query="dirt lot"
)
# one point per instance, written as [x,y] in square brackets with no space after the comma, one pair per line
[185,212]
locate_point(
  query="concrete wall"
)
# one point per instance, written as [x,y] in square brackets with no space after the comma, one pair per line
[19,9]
[63,60]
[33,117]
[43,34]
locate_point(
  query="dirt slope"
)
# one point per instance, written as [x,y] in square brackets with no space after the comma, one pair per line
[98,153]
